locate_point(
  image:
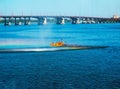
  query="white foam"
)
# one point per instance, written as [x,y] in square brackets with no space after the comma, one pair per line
[32,49]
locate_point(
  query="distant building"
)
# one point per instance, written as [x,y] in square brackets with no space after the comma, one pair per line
[116,16]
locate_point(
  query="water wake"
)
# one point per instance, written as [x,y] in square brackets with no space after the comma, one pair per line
[51,49]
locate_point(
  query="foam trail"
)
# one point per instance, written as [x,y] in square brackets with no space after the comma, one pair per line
[50,49]
[28,50]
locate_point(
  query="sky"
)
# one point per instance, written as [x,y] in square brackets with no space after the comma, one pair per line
[96,8]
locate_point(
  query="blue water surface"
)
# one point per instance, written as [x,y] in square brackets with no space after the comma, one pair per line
[74,69]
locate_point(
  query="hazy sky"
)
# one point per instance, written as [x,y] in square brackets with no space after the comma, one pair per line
[104,8]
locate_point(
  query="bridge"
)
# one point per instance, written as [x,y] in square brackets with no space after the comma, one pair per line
[26,20]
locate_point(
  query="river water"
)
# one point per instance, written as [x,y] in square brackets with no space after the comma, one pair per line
[71,69]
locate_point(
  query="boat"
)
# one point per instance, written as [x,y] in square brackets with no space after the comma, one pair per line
[57,44]
[72,46]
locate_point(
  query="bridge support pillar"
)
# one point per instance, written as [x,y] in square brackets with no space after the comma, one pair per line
[15,21]
[92,21]
[18,21]
[7,21]
[60,21]
[42,21]
[75,20]
[27,21]
[118,20]
[96,20]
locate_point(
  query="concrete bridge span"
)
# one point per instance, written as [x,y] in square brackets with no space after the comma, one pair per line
[26,20]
